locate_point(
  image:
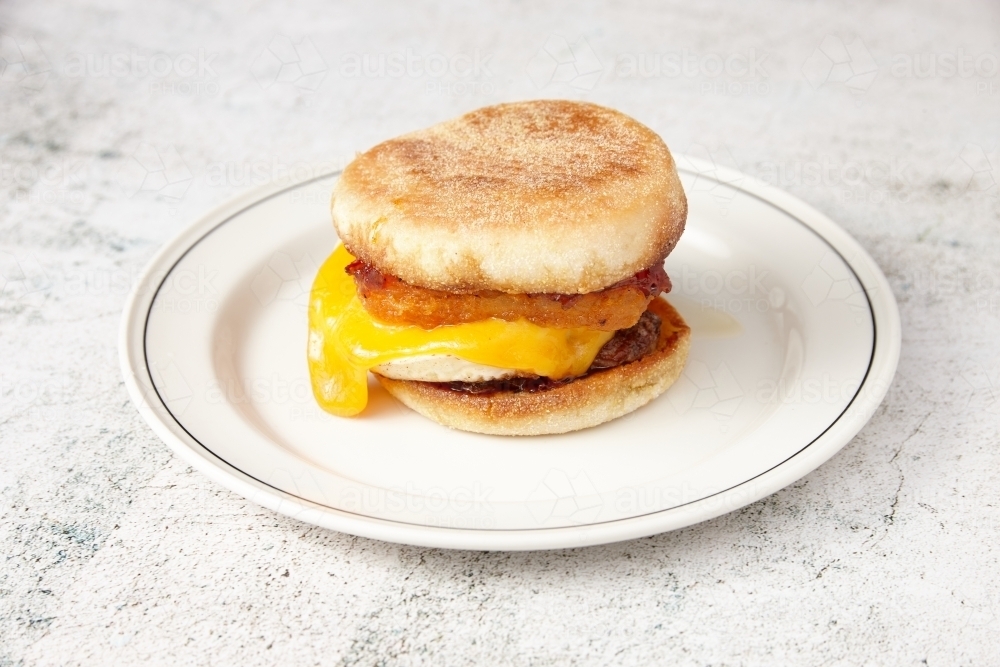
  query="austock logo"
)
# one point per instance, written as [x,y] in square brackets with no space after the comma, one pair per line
[136,65]
[944,65]
[186,74]
[974,170]
[736,73]
[558,61]
[21,277]
[56,182]
[18,392]
[808,391]
[149,169]
[692,65]
[287,62]
[411,64]
[985,387]
[449,75]
[831,280]
[892,173]
[561,496]
[23,63]
[190,291]
[732,291]
[702,387]
[262,171]
[566,498]
[285,278]
[460,507]
[716,172]
[172,386]
[837,62]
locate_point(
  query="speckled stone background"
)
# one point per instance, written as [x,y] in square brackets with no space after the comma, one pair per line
[121,122]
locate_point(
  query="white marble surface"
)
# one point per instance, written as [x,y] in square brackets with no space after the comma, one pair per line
[113,552]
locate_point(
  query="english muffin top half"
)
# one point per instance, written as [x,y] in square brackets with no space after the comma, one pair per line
[544,196]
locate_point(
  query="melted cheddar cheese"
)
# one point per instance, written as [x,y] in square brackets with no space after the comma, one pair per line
[345,341]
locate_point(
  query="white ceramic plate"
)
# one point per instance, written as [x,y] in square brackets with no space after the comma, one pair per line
[795,341]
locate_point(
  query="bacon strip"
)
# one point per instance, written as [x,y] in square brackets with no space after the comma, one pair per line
[616,307]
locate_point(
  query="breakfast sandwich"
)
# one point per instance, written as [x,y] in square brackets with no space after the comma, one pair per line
[501,272]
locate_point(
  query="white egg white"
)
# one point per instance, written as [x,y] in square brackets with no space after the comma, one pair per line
[441,368]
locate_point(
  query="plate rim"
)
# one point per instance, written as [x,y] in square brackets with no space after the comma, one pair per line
[886,344]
